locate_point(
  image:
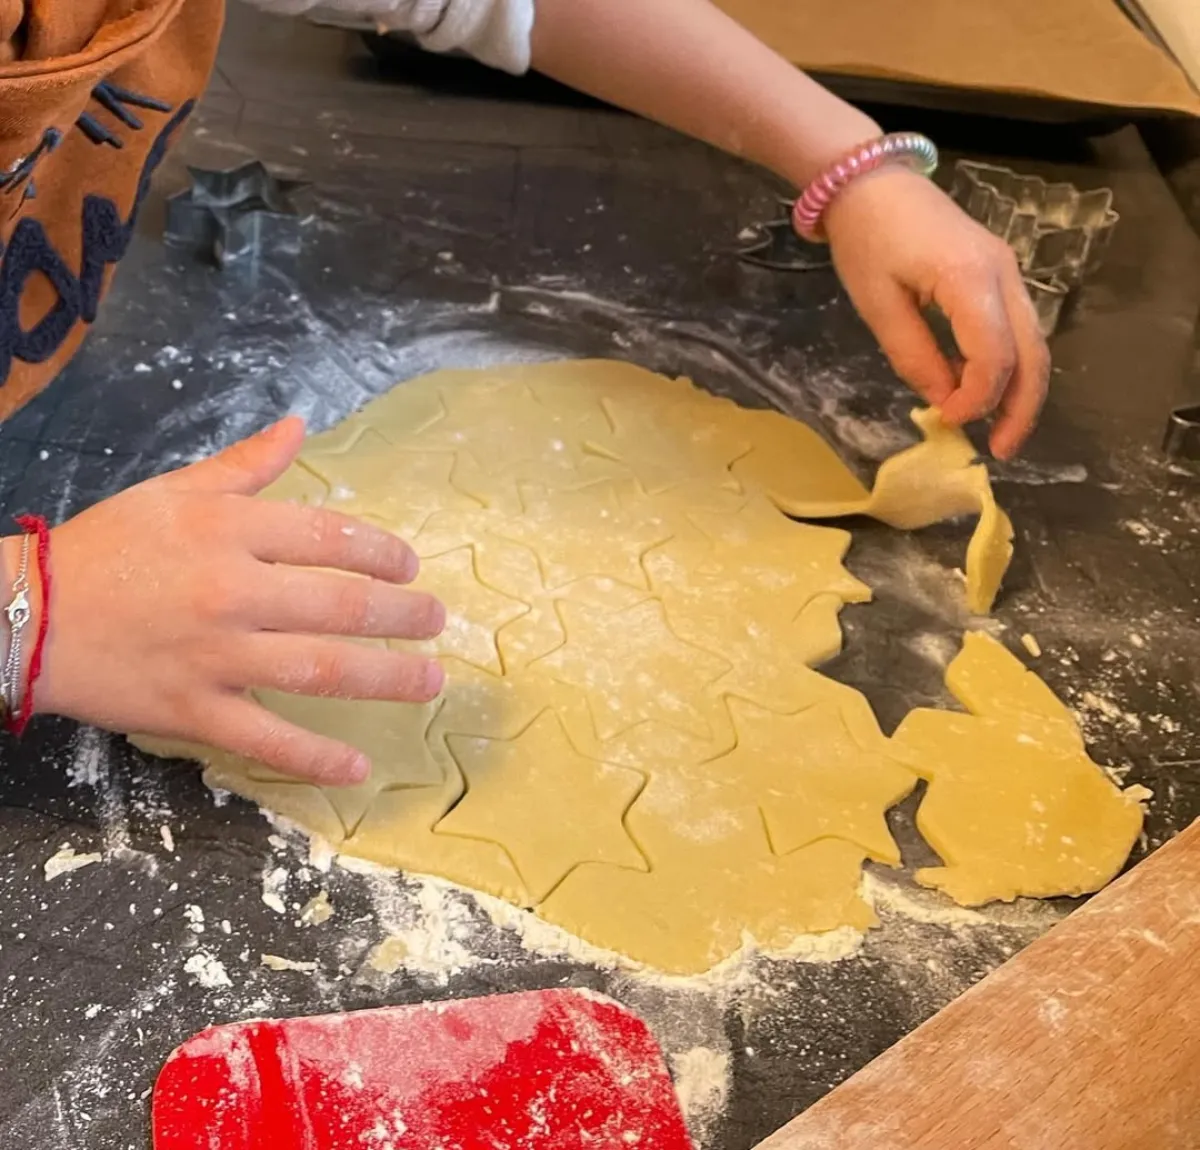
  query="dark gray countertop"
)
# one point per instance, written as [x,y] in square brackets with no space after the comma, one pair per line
[473,222]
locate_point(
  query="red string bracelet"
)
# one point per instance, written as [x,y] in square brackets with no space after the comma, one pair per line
[35,525]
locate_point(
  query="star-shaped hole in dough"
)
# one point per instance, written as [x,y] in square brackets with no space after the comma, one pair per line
[475,613]
[586,532]
[813,779]
[517,789]
[633,668]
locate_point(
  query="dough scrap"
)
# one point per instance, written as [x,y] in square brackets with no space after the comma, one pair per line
[633,740]
[1014,807]
[935,480]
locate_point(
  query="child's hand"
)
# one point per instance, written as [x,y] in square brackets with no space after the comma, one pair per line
[174,597]
[900,244]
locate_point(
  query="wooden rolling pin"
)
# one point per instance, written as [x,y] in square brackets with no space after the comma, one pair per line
[1089,1039]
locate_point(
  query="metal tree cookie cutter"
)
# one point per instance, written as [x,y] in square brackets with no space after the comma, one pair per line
[1059,233]
[222,213]
[1182,440]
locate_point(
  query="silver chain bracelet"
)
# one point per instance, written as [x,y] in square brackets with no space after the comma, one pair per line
[18,613]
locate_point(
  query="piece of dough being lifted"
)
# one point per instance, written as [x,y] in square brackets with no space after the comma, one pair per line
[938,479]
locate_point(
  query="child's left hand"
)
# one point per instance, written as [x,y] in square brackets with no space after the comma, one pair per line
[900,244]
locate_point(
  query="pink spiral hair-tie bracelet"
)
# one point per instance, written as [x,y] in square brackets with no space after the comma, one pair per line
[908,148]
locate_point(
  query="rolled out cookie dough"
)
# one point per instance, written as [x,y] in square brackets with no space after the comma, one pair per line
[1014,805]
[632,739]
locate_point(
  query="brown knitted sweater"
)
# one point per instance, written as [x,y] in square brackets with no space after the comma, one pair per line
[91,94]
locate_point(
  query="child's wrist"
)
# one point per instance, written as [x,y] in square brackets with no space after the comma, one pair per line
[11,548]
[803,160]
[901,151]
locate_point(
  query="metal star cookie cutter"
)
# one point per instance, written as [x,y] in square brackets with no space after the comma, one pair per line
[776,246]
[223,212]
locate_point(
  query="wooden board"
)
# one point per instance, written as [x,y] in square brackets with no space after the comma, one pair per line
[1089,1039]
[1079,50]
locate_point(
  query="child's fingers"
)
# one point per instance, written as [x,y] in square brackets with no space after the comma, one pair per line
[246,467]
[315,537]
[891,312]
[303,665]
[240,725]
[975,306]
[299,601]
[1022,402]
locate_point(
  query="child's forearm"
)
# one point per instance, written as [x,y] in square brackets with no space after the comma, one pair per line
[688,65]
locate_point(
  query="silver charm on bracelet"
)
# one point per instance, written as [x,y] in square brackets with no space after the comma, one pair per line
[18,613]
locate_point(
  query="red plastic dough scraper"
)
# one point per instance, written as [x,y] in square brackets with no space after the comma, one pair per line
[545,1070]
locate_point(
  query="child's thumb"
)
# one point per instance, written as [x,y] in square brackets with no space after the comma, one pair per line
[249,466]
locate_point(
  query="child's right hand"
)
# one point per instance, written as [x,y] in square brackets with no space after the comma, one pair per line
[173,598]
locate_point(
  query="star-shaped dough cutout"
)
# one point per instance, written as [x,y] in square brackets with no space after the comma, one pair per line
[586,532]
[506,566]
[406,414]
[536,634]
[813,779]
[392,735]
[515,790]
[769,565]
[509,432]
[401,489]
[751,587]
[298,484]
[666,444]
[474,612]
[794,466]
[633,668]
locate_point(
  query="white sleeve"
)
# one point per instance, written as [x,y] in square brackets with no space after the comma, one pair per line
[495,31]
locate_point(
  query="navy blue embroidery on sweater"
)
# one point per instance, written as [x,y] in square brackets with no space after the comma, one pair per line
[106,238]
[20,175]
[119,102]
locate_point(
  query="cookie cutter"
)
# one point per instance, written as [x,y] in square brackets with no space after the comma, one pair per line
[1059,234]
[1049,298]
[1057,231]
[222,214]
[1182,439]
[776,246]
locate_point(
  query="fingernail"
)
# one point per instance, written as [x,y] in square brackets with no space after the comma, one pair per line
[411,567]
[437,618]
[358,770]
[435,679]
